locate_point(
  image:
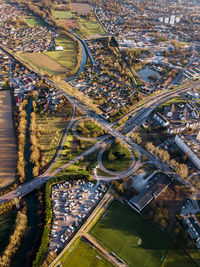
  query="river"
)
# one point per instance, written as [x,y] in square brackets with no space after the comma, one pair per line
[26,253]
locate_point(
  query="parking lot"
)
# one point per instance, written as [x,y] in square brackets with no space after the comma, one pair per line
[72,202]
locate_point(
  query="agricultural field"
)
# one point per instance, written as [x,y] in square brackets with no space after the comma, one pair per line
[43,63]
[131,237]
[61,14]
[89,28]
[83,255]
[8,151]
[51,128]
[67,58]
[35,21]
[117,157]
[81,8]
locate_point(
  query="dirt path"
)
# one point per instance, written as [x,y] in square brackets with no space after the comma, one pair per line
[8,153]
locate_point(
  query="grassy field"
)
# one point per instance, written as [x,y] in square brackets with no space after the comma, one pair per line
[43,63]
[176,256]
[83,255]
[8,151]
[90,129]
[89,28]
[67,57]
[51,128]
[35,21]
[61,14]
[123,158]
[131,237]
[72,148]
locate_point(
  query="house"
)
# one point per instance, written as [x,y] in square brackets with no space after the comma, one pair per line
[59,48]
[160,120]
[186,150]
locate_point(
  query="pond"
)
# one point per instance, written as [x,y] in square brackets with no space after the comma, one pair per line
[148,75]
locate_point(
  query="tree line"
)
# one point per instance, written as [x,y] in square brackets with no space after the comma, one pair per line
[15,239]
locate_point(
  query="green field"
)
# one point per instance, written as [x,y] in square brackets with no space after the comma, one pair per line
[90,129]
[88,28]
[51,128]
[83,255]
[176,256]
[132,238]
[67,57]
[72,148]
[43,63]
[61,14]
[122,158]
[35,21]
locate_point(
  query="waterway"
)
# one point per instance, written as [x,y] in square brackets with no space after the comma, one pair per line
[146,72]
[82,64]
[26,253]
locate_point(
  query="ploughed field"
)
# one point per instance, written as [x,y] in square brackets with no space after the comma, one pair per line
[8,152]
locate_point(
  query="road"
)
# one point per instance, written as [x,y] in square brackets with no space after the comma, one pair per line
[137,120]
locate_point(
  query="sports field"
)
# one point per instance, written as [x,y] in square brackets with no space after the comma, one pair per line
[83,255]
[176,256]
[61,14]
[67,57]
[43,63]
[8,151]
[35,21]
[130,237]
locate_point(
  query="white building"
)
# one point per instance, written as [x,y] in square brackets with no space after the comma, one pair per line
[58,48]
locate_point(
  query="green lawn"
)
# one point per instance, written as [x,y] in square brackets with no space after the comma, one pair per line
[35,21]
[61,14]
[122,160]
[83,255]
[67,57]
[121,231]
[176,256]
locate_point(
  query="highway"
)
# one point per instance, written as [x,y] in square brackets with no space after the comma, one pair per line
[135,121]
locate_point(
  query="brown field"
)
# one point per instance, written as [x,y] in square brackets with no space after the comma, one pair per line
[8,152]
[81,8]
[68,23]
[43,63]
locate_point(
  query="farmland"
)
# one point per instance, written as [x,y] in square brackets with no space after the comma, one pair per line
[8,152]
[131,237]
[83,255]
[43,63]
[81,8]
[67,58]
[60,14]
[35,21]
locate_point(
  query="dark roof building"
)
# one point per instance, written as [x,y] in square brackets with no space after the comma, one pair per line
[154,188]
